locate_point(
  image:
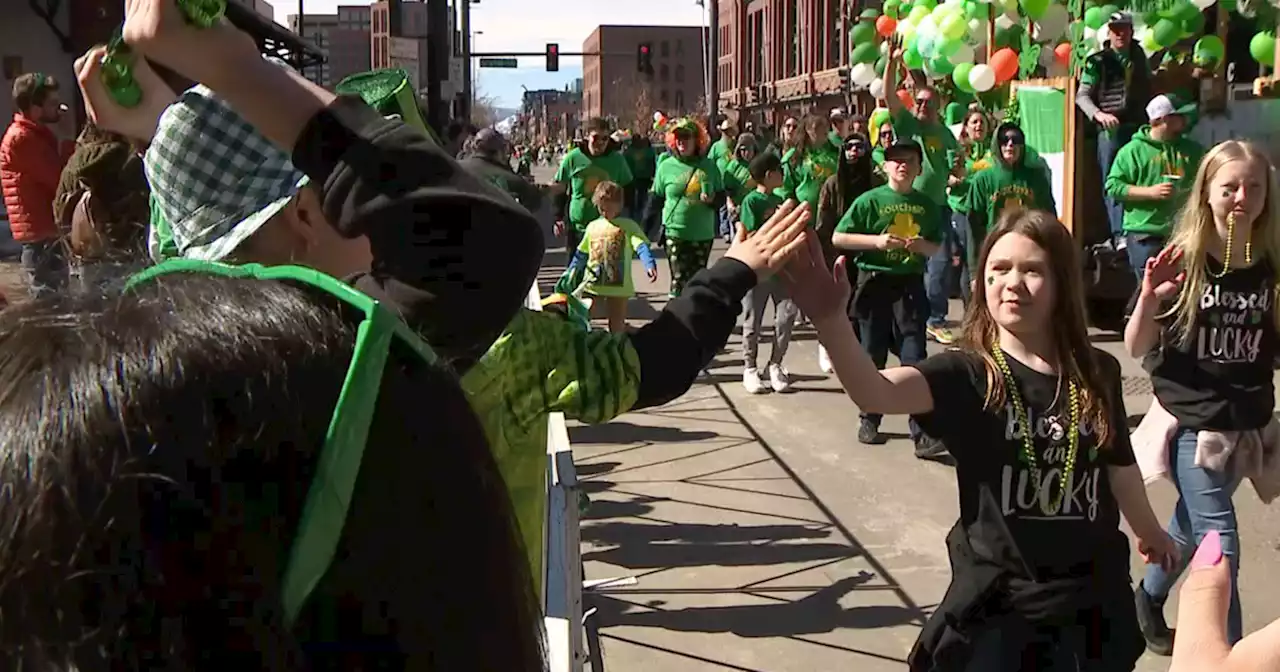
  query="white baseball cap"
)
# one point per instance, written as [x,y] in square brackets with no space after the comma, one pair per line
[1162,106]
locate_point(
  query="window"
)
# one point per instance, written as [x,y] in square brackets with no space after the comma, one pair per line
[666,48]
[664,73]
[679,47]
[662,96]
[679,73]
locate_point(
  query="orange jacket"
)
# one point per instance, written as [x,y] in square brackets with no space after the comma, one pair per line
[30,165]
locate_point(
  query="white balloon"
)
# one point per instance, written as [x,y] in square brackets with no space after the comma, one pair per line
[1103,35]
[982,77]
[1090,35]
[1052,24]
[876,88]
[962,55]
[927,26]
[862,74]
[1203,4]
[1003,22]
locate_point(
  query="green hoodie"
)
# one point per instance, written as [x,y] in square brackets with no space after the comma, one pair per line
[681,182]
[737,179]
[1002,185]
[1144,162]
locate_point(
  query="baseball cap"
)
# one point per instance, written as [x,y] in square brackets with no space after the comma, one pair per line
[838,113]
[901,148]
[1120,19]
[214,178]
[727,125]
[1162,106]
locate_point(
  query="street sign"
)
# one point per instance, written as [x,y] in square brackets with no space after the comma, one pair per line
[499,62]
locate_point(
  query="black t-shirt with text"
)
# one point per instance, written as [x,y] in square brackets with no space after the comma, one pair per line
[1053,543]
[1221,377]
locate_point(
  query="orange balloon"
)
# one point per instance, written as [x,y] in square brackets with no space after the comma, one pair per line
[907,99]
[1062,53]
[885,25]
[1005,64]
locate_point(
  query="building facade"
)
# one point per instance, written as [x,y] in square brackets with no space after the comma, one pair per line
[613,87]
[262,7]
[782,57]
[409,50]
[550,116]
[344,37]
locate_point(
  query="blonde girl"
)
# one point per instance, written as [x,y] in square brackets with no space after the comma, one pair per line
[607,247]
[1205,319]
[1035,421]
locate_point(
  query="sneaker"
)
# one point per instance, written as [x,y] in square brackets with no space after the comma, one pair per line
[824,360]
[779,379]
[941,334]
[929,448]
[869,433]
[751,381]
[1151,621]
[1121,243]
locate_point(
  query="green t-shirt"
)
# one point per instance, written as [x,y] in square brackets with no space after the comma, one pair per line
[721,151]
[818,164]
[939,146]
[681,183]
[883,210]
[582,173]
[737,180]
[978,159]
[757,208]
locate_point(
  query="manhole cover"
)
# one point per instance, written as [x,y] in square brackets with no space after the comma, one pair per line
[1136,385]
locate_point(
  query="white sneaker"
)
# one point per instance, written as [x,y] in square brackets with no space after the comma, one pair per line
[824,360]
[751,381]
[779,379]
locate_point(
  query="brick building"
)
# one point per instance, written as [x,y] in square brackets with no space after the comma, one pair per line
[410,50]
[550,115]
[781,57]
[344,38]
[613,87]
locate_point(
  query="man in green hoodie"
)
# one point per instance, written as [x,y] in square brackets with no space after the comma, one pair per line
[1011,181]
[1151,177]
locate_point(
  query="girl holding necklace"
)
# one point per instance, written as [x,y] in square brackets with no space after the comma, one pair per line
[1033,416]
[1206,322]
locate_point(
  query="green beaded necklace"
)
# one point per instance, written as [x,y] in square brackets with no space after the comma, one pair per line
[1027,455]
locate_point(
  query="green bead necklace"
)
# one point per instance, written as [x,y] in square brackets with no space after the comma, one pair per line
[1027,455]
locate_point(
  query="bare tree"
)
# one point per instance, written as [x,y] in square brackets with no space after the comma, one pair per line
[642,109]
[484,111]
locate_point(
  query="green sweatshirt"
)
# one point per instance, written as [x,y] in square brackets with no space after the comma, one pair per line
[939,146]
[1145,162]
[721,150]
[978,159]
[681,182]
[803,180]
[1001,185]
[737,179]
[582,172]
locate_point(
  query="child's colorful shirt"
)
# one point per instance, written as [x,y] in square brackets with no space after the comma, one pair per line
[607,248]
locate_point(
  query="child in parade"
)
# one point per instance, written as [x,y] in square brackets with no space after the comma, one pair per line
[1205,322]
[608,244]
[757,207]
[894,229]
[1033,416]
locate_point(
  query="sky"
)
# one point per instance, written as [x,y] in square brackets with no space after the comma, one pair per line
[528,25]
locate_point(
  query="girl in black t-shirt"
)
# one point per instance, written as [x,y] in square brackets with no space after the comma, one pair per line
[1034,417]
[1206,321]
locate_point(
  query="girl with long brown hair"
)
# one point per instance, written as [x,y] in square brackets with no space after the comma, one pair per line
[1035,421]
[1205,320]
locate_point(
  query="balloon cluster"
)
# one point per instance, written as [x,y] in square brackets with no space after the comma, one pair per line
[659,121]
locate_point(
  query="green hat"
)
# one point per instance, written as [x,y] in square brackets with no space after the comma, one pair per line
[389,92]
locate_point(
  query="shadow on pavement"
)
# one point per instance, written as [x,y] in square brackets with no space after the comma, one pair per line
[622,432]
[627,533]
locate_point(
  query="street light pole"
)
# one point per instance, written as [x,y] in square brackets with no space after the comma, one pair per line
[469,87]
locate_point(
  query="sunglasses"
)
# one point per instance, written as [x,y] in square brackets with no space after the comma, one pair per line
[1013,139]
[338,464]
[924,101]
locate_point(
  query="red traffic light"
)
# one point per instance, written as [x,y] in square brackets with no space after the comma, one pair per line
[644,48]
[553,49]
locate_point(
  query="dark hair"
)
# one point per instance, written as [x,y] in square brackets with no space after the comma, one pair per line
[148,526]
[457,129]
[853,179]
[763,164]
[596,125]
[32,89]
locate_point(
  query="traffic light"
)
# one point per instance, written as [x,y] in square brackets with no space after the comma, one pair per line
[644,59]
[844,79]
[553,58]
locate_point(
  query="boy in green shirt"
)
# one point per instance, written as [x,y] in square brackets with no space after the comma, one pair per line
[1151,178]
[756,209]
[894,229]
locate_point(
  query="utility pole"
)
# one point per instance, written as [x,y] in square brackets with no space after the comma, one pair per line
[301,22]
[468,85]
[439,39]
[713,85]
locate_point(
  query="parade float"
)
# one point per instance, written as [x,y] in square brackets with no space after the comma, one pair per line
[1022,59]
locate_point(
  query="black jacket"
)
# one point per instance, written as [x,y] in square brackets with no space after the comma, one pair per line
[454,256]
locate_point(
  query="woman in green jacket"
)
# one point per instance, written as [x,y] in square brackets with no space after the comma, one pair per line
[687,191]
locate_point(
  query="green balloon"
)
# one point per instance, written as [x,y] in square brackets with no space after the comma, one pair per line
[927,4]
[1227,5]
[1193,26]
[917,14]
[869,15]
[1107,11]
[1009,37]
[1263,48]
[867,52]
[961,77]
[975,10]
[891,8]
[1035,8]
[1209,50]
[954,27]
[862,33]
[1166,33]
[914,60]
[1187,11]
[881,64]
[1094,18]
[939,65]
